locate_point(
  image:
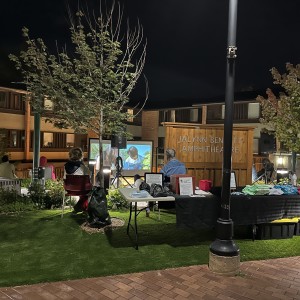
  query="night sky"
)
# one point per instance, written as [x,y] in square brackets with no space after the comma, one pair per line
[187,41]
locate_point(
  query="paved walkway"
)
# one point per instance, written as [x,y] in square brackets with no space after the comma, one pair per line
[268,279]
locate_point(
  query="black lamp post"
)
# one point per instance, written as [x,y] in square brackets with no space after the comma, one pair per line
[224,245]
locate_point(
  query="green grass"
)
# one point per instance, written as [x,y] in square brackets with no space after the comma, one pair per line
[41,246]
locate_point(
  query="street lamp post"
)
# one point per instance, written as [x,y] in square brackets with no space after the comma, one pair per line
[224,253]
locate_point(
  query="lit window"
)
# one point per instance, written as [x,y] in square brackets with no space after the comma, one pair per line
[48,139]
[130,112]
[48,104]
[70,140]
[253,111]
[14,138]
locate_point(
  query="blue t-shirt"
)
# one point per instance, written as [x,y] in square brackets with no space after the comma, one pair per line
[174,166]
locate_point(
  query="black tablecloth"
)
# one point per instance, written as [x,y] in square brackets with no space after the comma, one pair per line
[202,212]
[196,212]
[263,209]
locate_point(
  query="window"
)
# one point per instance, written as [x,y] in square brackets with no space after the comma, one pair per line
[3,99]
[61,140]
[47,139]
[254,111]
[16,138]
[70,140]
[12,101]
[48,104]
[130,112]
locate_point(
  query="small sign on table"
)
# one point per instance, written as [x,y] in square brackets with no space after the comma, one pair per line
[186,186]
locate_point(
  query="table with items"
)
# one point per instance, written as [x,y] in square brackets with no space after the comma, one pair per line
[244,210]
[133,196]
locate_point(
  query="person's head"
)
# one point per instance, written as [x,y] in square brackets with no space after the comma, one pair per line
[43,161]
[133,152]
[75,154]
[5,158]
[170,153]
[136,177]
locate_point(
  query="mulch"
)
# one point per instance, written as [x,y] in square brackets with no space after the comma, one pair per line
[115,224]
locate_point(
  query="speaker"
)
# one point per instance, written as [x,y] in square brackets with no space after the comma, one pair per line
[267,143]
[118,141]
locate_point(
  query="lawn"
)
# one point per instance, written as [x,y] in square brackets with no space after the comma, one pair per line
[41,246]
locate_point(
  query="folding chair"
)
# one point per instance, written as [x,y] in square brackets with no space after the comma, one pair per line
[76,185]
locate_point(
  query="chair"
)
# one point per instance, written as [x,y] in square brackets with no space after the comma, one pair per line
[76,185]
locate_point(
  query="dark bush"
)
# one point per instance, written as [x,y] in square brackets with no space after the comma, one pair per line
[11,201]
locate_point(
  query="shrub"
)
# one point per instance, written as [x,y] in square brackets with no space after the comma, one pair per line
[11,201]
[48,196]
[36,192]
[115,200]
[38,196]
[25,183]
[54,193]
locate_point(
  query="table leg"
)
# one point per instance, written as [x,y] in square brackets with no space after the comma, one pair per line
[254,232]
[129,220]
[135,223]
[135,227]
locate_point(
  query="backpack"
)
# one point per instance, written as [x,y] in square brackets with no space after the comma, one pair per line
[98,215]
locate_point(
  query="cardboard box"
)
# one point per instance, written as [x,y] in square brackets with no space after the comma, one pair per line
[174,182]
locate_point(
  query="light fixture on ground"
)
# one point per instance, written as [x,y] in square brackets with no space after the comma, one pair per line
[224,256]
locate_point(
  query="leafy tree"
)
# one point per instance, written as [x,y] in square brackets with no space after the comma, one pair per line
[90,87]
[282,115]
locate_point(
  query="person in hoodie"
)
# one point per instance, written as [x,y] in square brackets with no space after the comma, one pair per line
[75,166]
[173,165]
[44,164]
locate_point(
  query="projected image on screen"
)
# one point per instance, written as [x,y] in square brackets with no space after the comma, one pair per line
[136,158]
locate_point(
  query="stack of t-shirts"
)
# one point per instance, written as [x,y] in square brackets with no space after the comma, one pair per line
[287,189]
[257,189]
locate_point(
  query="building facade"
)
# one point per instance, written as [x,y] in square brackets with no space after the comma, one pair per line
[17,128]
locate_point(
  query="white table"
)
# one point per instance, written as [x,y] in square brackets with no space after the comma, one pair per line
[131,195]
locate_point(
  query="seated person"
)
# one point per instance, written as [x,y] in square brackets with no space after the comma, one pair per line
[137,180]
[7,170]
[134,161]
[44,163]
[75,166]
[266,171]
[173,165]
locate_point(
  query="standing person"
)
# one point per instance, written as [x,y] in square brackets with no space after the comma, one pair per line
[173,165]
[134,161]
[75,166]
[7,169]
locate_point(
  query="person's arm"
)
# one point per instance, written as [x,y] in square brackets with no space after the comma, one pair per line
[164,169]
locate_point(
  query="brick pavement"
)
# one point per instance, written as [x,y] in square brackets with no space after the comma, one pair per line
[259,280]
